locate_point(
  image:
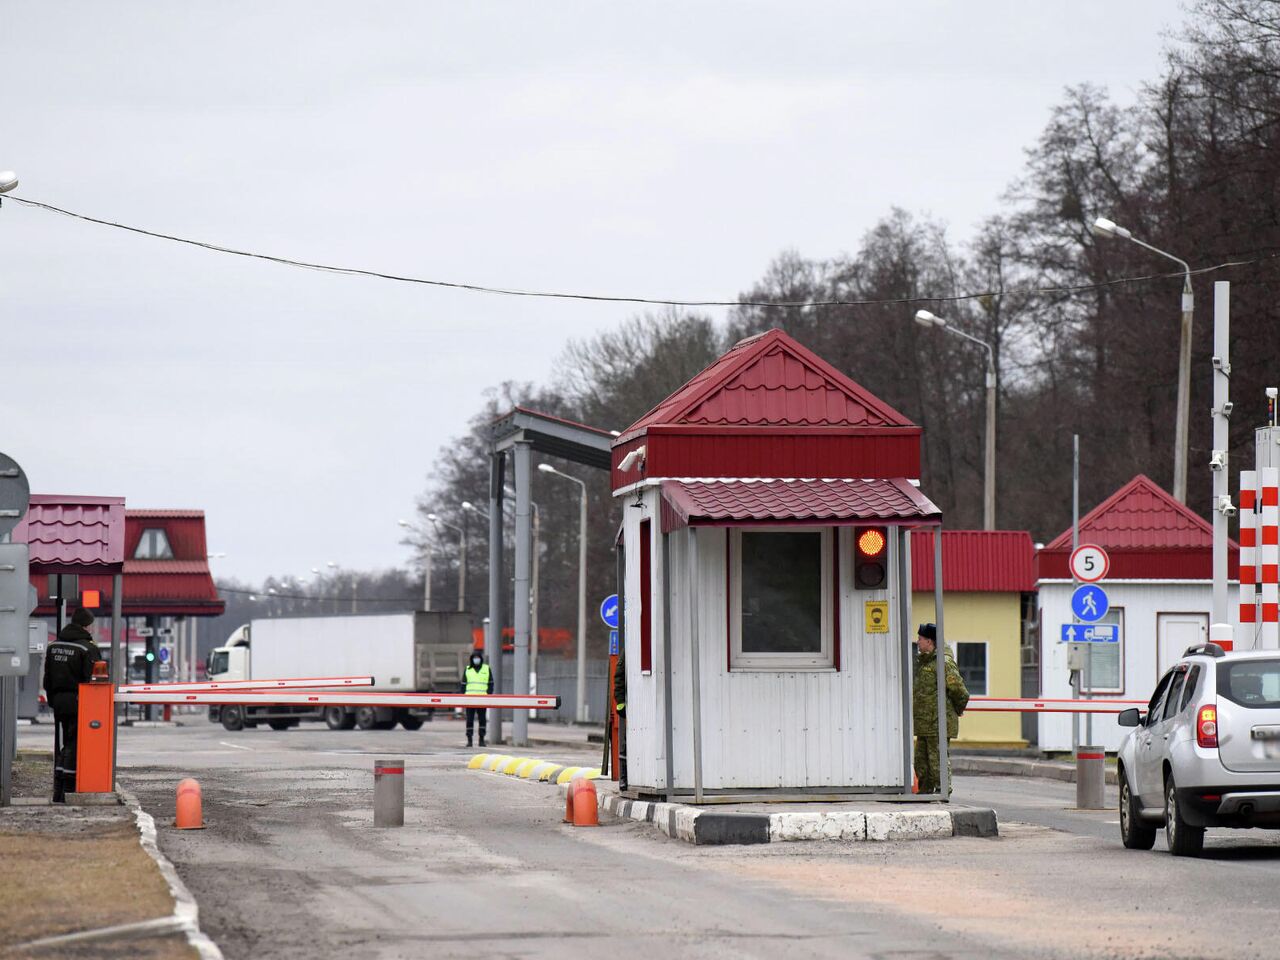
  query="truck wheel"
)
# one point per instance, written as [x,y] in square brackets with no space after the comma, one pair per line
[1135,833]
[232,718]
[411,723]
[1184,840]
[338,719]
[366,718]
[281,724]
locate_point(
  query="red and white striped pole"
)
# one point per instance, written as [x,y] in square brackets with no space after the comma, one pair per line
[1269,638]
[1248,559]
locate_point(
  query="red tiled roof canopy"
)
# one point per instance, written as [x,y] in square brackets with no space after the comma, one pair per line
[771,408]
[1147,533]
[985,561]
[816,502]
[73,535]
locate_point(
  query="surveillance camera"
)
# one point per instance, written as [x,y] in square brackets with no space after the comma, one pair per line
[1218,461]
[631,459]
[1225,507]
[1273,392]
[1217,363]
[1227,407]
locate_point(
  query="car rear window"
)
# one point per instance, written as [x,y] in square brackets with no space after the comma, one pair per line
[1250,683]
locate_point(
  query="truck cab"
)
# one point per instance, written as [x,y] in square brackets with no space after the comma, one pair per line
[231,660]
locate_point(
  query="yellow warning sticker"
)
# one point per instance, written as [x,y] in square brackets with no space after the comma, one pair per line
[877,616]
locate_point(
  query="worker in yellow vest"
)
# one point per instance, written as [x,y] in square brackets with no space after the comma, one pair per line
[477,679]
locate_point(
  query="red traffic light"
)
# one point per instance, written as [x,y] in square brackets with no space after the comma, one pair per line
[871,543]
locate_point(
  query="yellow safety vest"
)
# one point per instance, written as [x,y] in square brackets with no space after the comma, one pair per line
[477,680]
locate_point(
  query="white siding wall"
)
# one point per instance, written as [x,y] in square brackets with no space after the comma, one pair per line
[800,729]
[1141,600]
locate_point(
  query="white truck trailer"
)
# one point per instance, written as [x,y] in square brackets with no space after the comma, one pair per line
[403,652]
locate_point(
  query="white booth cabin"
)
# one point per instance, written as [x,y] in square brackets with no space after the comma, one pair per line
[1160,595]
[765,572]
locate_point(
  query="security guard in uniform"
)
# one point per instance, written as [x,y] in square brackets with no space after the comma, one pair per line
[924,713]
[68,662]
[477,679]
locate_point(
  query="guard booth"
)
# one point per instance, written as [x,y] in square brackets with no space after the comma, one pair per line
[765,576]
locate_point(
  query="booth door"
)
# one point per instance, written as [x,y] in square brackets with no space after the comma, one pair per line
[1175,632]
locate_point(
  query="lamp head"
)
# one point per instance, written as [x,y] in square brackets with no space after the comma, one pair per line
[468,505]
[547,468]
[1103,227]
[927,319]
[433,518]
[8,180]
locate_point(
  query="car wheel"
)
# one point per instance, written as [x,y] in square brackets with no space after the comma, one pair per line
[1136,833]
[366,718]
[1184,840]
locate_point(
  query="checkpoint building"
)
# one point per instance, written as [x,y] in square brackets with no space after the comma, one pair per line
[765,581]
[1160,593]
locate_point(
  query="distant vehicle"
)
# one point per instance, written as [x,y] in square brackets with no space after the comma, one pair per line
[1205,753]
[403,652]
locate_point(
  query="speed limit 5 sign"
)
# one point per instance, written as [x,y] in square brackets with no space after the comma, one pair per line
[1089,563]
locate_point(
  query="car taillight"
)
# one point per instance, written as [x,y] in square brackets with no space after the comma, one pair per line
[1207,726]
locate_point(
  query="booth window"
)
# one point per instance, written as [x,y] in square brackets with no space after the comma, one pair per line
[1107,668]
[646,595]
[153,545]
[780,599]
[971,659]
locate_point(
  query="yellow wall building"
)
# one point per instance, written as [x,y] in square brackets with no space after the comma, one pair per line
[985,575]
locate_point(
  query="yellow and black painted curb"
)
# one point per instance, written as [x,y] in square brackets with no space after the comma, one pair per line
[530,768]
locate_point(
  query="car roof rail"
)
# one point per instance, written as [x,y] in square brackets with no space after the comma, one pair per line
[1208,649]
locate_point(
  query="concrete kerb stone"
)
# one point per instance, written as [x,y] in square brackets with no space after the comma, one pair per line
[713,828]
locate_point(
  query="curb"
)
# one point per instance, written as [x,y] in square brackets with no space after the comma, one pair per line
[1011,767]
[186,914]
[710,828]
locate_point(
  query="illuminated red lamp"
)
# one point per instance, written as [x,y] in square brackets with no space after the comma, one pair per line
[90,599]
[869,570]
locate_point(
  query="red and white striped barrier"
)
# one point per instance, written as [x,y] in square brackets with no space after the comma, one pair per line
[301,683]
[503,701]
[1248,557]
[1030,705]
[1269,537]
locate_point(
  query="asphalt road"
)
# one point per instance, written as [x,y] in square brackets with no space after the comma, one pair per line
[291,867]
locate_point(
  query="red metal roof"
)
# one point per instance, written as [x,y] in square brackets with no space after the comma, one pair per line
[1148,534]
[738,502]
[770,408]
[73,534]
[771,380]
[982,561]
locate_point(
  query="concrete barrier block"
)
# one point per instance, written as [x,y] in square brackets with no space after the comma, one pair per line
[908,825]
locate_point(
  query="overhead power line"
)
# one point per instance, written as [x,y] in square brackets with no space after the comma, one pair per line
[647,301]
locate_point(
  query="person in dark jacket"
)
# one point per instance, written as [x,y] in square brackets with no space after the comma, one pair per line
[477,680]
[620,706]
[68,662]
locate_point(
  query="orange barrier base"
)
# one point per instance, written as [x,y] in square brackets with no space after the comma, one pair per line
[586,812]
[95,742]
[189,803]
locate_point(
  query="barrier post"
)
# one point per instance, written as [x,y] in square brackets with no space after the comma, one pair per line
[1090,778]
[388,793]
[96,735]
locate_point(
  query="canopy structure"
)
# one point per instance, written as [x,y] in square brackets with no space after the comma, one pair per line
[522,432]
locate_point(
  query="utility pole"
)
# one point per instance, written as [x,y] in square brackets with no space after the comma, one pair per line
[1220,627]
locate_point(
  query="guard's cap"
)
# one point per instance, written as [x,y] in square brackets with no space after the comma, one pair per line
[927,630]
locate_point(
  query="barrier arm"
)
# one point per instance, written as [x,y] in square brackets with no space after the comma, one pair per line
[501,701]
[304,683]
[1042,705]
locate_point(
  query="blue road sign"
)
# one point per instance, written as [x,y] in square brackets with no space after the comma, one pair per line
[613,643]
[609,611]
[1090,633]
[1089,603]
[164,654]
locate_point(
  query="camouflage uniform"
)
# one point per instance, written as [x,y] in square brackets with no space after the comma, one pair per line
[924,713]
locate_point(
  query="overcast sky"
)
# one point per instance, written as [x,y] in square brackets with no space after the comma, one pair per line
[658,149]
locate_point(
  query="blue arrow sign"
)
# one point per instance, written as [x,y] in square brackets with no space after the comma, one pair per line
[609,611]
[1089,603]
[1090,633]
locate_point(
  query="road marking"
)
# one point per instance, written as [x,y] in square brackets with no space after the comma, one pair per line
[237,746]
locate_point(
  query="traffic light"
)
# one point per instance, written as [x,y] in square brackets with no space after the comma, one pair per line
[869,557]
[150,656]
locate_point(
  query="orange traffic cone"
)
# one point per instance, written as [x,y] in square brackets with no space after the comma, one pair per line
[586,813]
[188,814]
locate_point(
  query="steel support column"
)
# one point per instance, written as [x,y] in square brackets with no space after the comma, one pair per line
[522,450]
[493,635]
[940,661]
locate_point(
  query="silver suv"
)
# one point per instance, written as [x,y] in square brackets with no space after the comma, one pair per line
[1206,753]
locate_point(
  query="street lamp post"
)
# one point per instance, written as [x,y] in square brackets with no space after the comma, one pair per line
[426,563]
[927,319]
[582,587]
[533,582]
[462,556]
[1103,227]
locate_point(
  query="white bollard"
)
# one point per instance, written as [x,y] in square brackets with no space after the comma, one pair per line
[388,793]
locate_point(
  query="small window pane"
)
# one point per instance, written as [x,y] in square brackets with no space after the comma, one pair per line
[782,592]
[1105,670]
[1175,694]
[971,658]
[153,545]
[1193,678]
